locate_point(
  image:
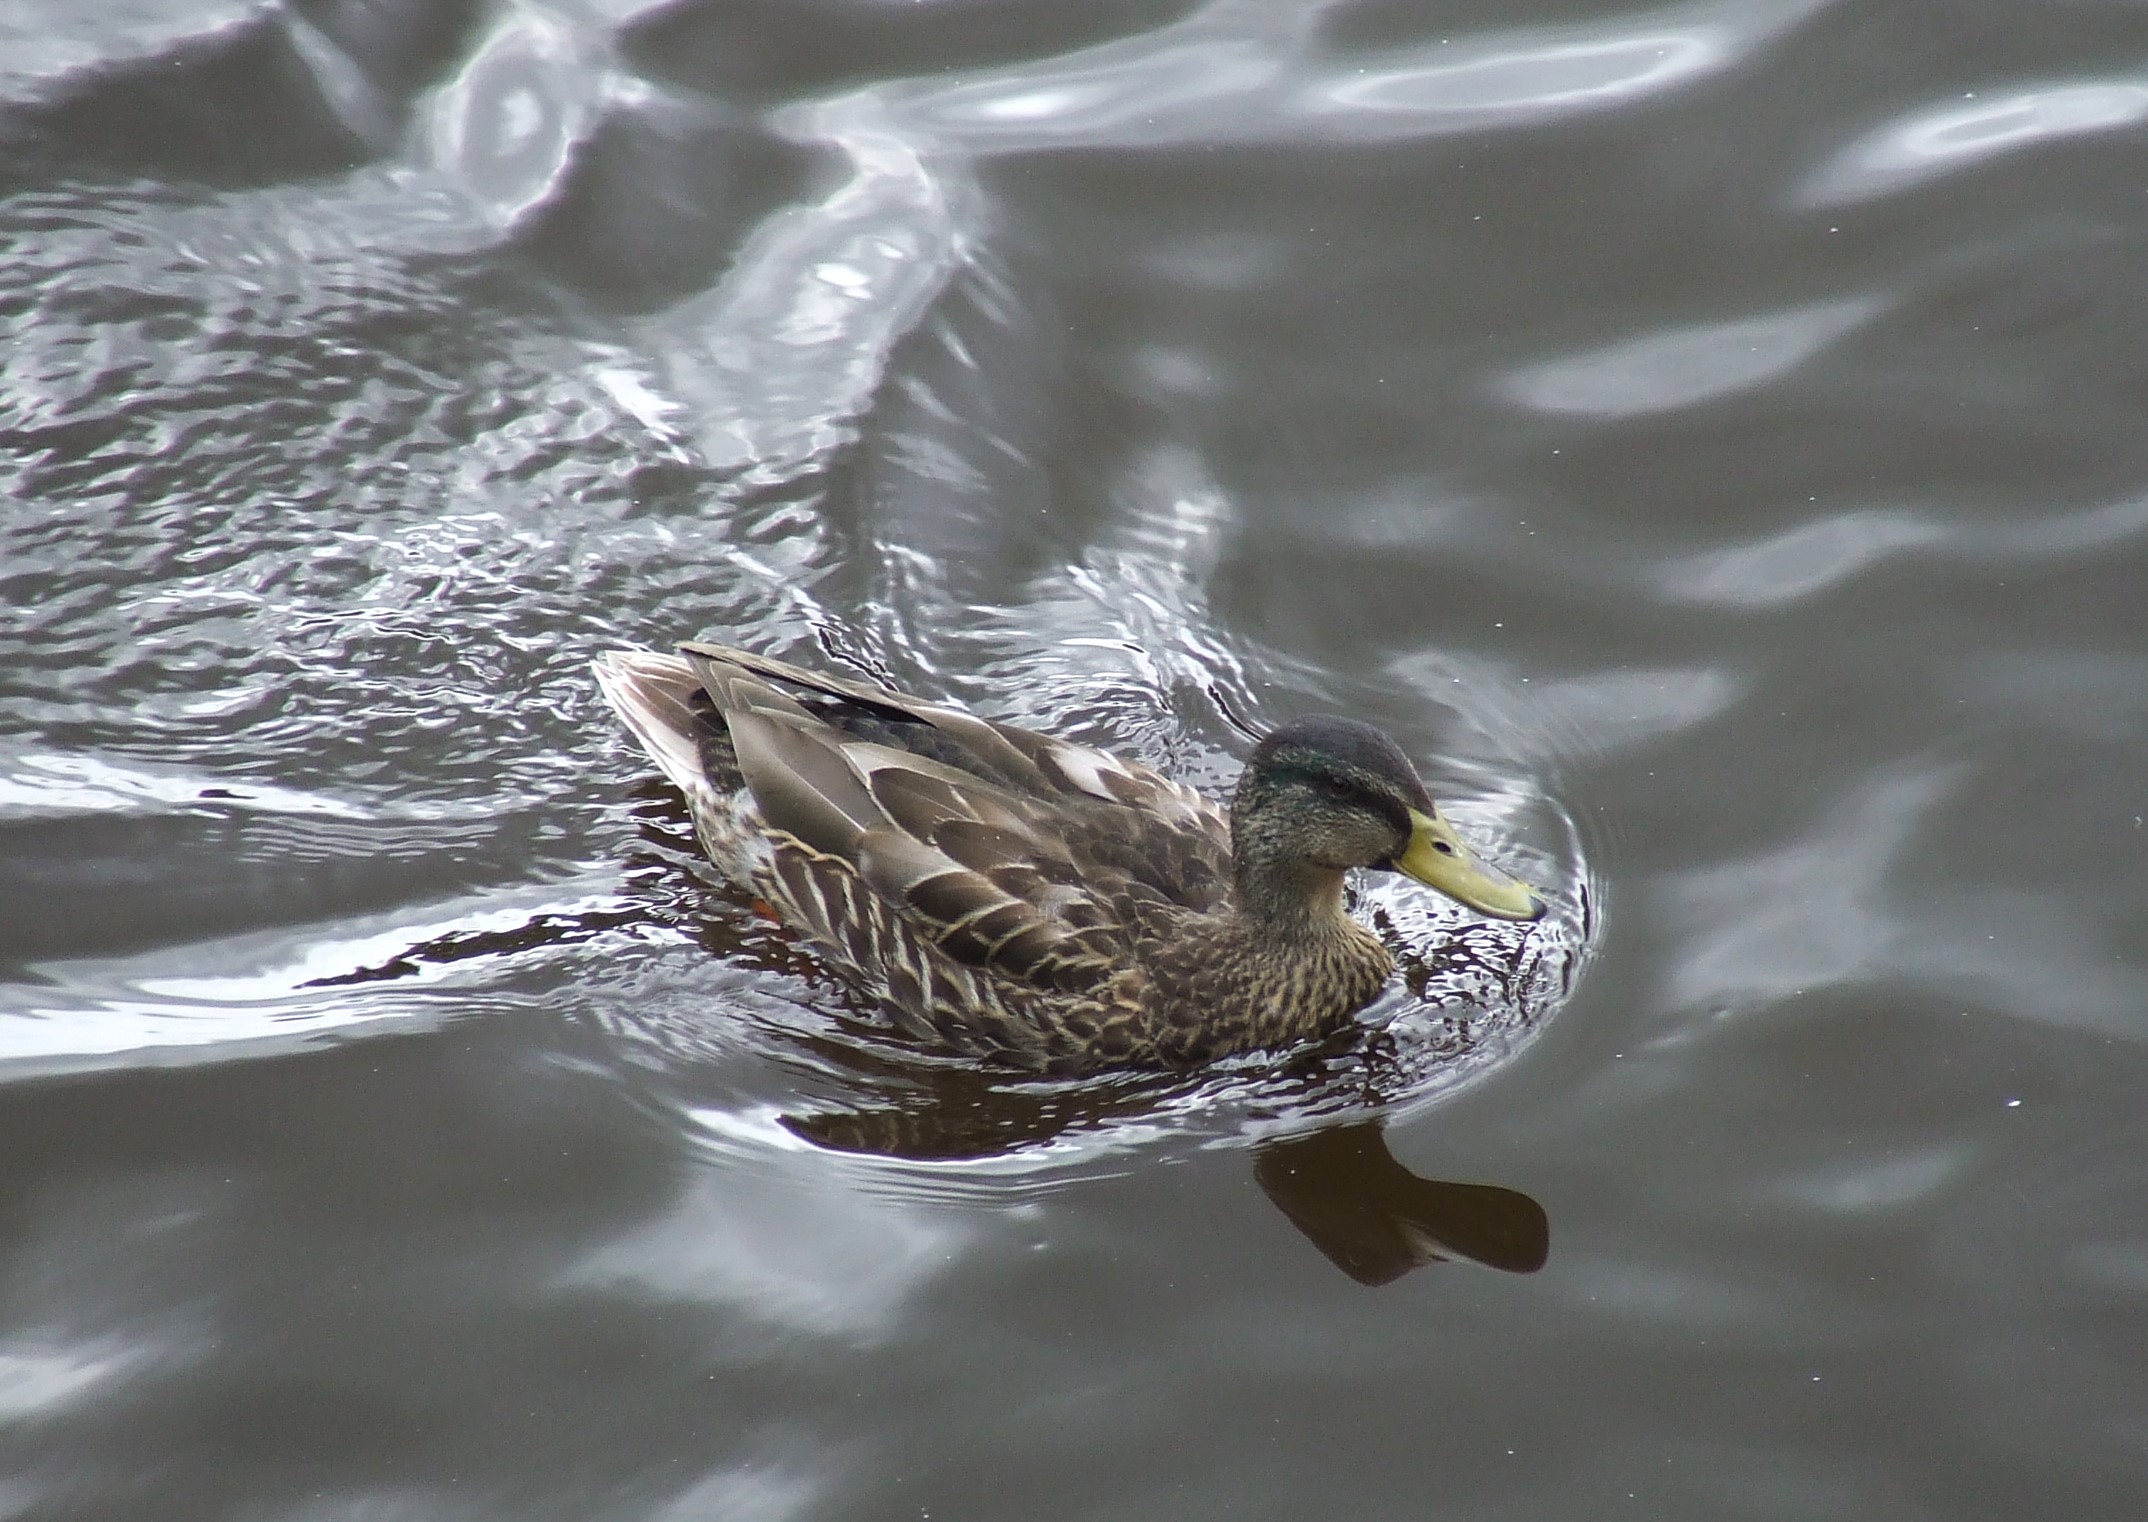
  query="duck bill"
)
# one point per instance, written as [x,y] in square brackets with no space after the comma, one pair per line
[1437,858]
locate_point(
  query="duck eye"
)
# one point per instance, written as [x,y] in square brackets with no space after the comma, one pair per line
[1335,788]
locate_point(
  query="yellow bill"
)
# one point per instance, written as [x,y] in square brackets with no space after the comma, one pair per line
[1437,858]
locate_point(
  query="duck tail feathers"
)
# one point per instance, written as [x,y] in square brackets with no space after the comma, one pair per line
[653,696]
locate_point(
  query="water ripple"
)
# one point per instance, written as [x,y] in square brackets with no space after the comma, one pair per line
[1528,82]
[38,1382]
[780,360]
[1797,563]
[1681,367]
[508,124]
[783,1243]
[47,783]
[270,991]
[1814,912]
[1235,73]
[1941,140]
[1577,717]
[50,47]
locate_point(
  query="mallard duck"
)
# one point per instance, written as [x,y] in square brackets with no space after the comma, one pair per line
[1026,898]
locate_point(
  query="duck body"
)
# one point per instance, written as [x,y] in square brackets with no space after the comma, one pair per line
[1029,899]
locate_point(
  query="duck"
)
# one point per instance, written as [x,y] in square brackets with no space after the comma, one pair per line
[1024,899]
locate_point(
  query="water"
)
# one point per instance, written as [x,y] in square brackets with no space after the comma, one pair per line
[1707,436]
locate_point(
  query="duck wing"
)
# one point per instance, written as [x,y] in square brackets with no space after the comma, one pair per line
[975,867]
[1043,817]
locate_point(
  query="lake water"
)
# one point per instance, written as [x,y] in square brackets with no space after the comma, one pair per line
[1710,437]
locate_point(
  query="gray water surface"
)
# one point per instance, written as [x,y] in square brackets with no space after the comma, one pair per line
[1709,437]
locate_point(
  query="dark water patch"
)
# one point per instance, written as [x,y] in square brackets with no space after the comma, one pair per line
[235,105]
[657,200]
[120,884]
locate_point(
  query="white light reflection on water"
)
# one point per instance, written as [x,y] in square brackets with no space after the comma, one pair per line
[401,1503]
[1815,912]
[1683,366]
[1887,1181]
[52,783]
[1808,558]
[1236,73]
[1141,594]
[39,1381]
[1941,140]
[506,127]
[775,1236]
[47,45]
[783,356]
[1801,561]
[1583,714]
[350,94]
[1528,81]
[259,992]
[743,1494]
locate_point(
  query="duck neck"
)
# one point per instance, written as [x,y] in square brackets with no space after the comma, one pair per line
[1294,901]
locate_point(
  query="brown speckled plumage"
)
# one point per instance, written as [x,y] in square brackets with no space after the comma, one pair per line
[1019,896]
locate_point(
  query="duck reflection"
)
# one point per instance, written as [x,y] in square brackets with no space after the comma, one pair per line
[1376,1220]
[1368,1214]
